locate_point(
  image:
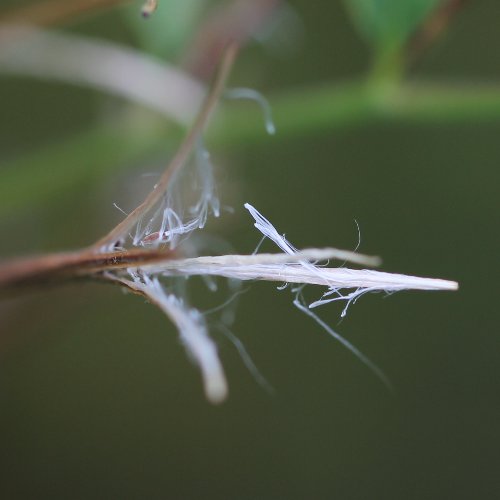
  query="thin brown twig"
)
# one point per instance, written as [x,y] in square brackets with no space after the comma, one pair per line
[101,256]
[433,27]
[51,12]
[60,267]
[181,156]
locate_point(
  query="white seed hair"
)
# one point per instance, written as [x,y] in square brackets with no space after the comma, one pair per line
[285,268]
[192,330]
[291,266]
[174,216]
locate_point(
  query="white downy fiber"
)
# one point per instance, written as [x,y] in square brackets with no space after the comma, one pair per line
[291,266]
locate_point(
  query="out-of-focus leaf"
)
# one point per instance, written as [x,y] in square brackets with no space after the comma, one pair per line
[167,30]
[387,24]
[41,175]
[74,163]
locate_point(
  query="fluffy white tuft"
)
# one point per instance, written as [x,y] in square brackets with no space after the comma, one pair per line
[291,266]
[177,215]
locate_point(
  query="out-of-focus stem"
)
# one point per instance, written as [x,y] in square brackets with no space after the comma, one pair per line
[296,114]
[182,154]
[333,107]
[51,12]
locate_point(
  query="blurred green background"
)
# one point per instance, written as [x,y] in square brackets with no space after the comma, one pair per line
[97,397]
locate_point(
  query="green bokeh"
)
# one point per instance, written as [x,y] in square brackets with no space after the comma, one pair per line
[97,397]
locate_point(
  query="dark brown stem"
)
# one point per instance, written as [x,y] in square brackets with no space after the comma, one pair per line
[59,267]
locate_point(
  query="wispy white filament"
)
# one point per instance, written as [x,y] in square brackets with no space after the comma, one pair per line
[194,335]
[244,93]
[247,360]
[178,215]
[299,304]
[290,269]
[279,267]
[192,330]
[338,279]
[291,266]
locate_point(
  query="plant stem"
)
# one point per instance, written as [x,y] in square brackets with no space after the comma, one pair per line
[297,113]
[50,12]
[19,274]
[334,107]
[182,154]
[100,257]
